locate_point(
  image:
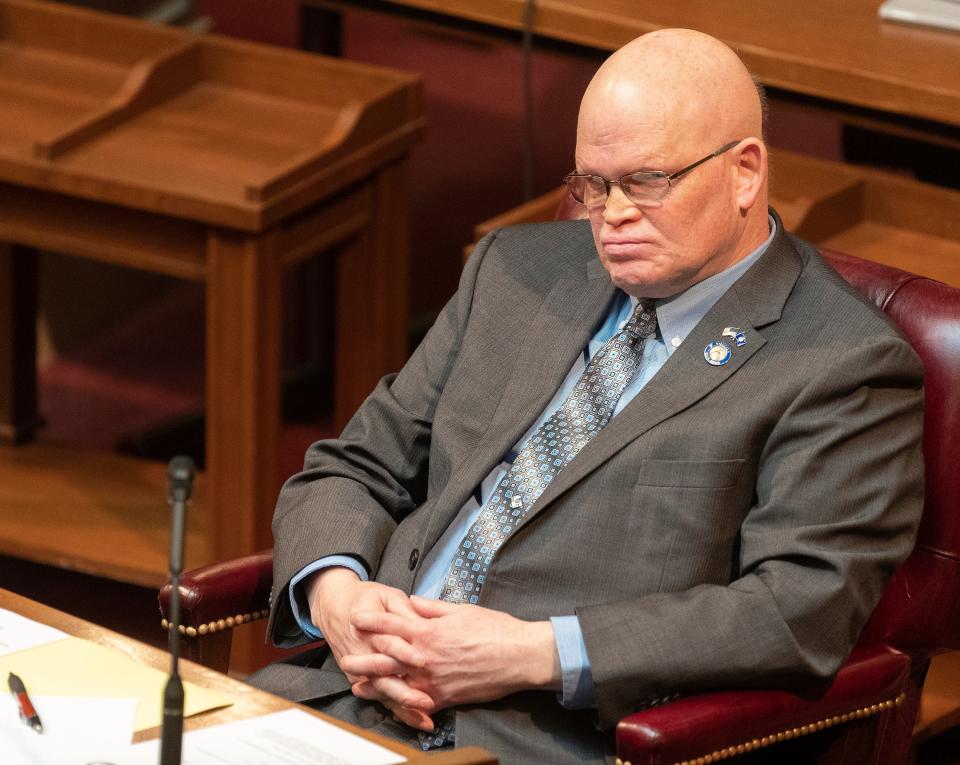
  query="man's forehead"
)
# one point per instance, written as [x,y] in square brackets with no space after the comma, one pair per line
[621,157]
[631,138]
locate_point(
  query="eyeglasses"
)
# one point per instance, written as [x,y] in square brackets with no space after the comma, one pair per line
[646,188]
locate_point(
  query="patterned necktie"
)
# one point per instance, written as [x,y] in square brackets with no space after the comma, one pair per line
[583,414]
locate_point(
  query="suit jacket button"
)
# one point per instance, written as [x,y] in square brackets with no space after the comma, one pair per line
[414,558]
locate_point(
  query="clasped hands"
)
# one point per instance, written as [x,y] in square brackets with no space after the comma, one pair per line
[417,656]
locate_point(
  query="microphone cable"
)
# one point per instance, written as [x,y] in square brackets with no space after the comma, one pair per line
[529,137]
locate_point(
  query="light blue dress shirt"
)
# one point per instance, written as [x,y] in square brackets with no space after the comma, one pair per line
[676,317]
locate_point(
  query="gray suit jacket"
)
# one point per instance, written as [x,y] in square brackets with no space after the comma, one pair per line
[734,526]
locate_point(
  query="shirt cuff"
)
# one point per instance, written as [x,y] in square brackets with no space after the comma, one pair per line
[298,597]
[578,689]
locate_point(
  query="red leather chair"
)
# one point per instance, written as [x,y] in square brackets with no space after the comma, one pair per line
[866,714]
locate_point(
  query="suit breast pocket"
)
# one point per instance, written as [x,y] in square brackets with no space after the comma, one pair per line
[688,514]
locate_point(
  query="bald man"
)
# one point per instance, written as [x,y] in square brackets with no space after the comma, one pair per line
[661,451]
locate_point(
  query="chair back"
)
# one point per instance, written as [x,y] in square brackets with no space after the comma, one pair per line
[920,611]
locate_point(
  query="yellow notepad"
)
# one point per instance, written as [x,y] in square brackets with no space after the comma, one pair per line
[76,667]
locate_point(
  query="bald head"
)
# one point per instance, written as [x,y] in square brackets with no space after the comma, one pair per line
[678,80]
[673,100]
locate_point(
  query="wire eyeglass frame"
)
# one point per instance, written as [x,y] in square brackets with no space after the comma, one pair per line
[656,184]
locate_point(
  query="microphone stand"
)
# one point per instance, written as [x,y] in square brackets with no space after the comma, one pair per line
[181,481]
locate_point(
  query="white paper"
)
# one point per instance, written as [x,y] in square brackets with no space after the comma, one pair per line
[291,737]
[17,633]
[76,731]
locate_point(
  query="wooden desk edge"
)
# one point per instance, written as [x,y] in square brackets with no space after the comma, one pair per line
[606,30]
[246,698]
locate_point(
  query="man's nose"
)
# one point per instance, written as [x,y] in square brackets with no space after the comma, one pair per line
[618,209]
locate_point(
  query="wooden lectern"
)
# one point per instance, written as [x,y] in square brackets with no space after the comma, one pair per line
[207,159]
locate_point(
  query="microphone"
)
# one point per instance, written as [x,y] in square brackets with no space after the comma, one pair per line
[180,473]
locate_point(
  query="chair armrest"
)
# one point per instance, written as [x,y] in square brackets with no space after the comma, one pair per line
[221,595]
[715,726]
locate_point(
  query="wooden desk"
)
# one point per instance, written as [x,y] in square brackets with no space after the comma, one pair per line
[870,214]
[877,73]
[207,159]
[247,701]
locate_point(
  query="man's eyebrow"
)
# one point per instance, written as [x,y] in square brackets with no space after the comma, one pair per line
[651,168]
[658,165]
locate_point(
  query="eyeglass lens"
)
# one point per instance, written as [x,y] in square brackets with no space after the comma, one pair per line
[639,188]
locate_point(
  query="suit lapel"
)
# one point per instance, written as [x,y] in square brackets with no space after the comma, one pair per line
[557,334]
[754,301]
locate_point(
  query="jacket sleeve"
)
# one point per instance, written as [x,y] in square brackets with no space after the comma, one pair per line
[355,489]
[837,504]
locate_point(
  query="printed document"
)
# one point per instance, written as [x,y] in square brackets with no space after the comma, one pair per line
[291,737]
[17,633]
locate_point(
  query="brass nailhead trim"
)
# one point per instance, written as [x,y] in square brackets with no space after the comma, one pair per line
[785,735]
[219,624]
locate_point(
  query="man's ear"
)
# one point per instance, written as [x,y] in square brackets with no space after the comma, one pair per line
[751,172]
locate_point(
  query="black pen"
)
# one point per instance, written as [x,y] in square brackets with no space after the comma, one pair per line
[27,713]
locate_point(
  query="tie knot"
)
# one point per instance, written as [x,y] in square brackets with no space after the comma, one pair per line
[643,321]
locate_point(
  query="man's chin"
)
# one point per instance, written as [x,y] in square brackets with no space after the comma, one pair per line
[641,286]
[644,280]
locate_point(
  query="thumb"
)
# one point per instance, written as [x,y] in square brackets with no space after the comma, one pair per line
[431,608]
